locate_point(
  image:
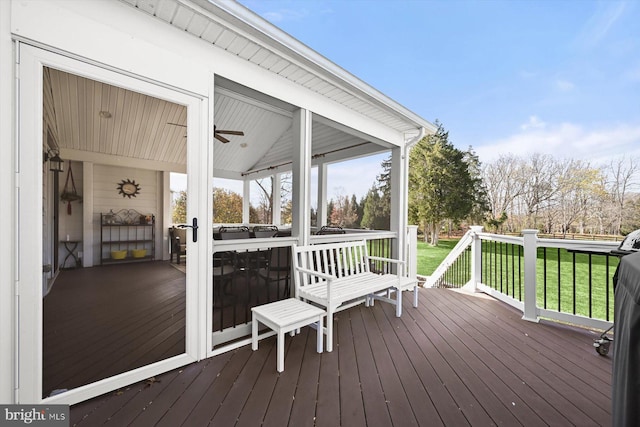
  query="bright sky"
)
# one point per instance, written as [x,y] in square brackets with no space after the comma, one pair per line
[557,77]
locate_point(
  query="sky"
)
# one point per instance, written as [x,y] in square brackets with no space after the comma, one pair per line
[520,76]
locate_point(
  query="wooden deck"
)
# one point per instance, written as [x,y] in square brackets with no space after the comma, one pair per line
[456,360]
[102,321]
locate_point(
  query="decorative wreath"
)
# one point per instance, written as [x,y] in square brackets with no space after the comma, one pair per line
[128,188]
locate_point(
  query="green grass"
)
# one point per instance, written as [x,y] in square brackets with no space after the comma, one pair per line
[430,257]
[501,276]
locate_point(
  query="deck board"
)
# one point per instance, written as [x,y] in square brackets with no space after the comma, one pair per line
[457,359]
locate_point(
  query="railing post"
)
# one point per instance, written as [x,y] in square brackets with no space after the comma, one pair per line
[530,243]
[412,252]
[476,258]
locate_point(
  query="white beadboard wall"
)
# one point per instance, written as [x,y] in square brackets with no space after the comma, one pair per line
[107,197]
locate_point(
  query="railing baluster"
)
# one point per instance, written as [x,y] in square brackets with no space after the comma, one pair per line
[559,287]
[590,288]
[574,283]
[544,275]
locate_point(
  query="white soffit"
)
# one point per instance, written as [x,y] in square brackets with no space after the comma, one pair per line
[239,31]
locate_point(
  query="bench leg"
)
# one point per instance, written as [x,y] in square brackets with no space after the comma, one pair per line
[254,332]
[319,334]
[329,330]
[415,296]
[280,350]
[398,302]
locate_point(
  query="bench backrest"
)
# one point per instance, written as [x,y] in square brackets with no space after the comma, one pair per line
[337,259]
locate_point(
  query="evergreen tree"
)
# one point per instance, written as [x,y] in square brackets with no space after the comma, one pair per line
[441,185]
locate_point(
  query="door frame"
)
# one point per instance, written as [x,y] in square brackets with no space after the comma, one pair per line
[29,204]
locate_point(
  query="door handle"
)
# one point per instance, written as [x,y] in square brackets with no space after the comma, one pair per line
[193,227]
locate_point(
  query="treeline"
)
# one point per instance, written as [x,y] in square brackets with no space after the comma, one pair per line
[449,189]
[373,211]
[562,195]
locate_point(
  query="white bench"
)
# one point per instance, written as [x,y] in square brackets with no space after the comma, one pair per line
[285,316]
[338,275]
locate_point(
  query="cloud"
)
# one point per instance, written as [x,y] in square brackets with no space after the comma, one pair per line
[533,123]
[567,141]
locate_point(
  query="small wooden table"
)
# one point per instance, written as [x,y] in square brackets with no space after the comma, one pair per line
[286,316]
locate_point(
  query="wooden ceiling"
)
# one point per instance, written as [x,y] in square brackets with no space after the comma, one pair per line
[87,116]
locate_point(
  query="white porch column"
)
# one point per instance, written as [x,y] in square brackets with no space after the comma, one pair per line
[246,200]
[322,214]
[530,258]
[399,206]
[476,258]
[277,200]
[301,197]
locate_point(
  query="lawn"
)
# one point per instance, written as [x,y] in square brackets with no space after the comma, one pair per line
[585,289]
[430,257]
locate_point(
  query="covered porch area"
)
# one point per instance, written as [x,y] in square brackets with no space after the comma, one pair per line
[457,359]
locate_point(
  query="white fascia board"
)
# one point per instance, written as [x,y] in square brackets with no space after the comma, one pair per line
[257,28]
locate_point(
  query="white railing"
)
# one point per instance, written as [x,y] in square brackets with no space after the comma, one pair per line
[523,271]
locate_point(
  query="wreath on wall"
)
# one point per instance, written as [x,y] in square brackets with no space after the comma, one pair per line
[128,188]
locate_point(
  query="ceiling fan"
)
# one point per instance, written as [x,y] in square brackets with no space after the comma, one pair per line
[217,134]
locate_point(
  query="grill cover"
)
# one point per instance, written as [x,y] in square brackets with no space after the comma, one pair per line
[630,244]
[626,355]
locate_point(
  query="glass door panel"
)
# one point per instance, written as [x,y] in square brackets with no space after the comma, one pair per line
[118,301]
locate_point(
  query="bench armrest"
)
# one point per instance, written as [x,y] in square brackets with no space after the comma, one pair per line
[324,276]
[401,263]
[395,261]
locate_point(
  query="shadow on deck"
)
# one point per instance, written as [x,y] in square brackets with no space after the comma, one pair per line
[458,359]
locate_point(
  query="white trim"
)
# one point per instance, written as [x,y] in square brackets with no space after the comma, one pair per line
[117,381]
[322,215]
[301,194]
[30,227]
[8,270]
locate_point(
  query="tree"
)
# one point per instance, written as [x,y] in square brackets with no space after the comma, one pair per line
[503,187]
[576,185]
[344,214]
[539,180]
[263,213]
[441,186]
[622,172]
[179,208]
[375,207]
[480,204]
[373,216]
[227,206]
[286,217]
[384,187]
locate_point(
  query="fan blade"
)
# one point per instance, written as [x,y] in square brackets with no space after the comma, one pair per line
[220,138]
[230,132]
[176,124]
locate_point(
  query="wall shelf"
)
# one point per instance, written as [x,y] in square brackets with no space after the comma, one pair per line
[126,233]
